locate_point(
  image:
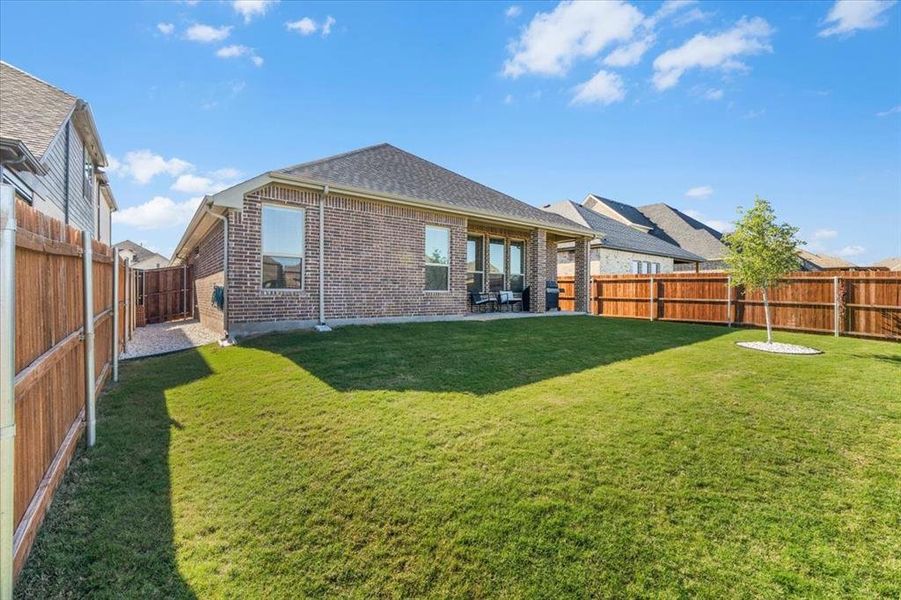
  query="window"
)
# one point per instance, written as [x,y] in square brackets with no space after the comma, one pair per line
[495,265]
[636,267]
[475,263]
[655,267]
[437,258]
[283,243]
[517,270]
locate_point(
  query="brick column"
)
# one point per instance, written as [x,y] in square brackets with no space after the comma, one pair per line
[582,275]
[537,269]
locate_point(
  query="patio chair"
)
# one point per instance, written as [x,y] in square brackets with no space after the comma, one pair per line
[480,301]
[506,298]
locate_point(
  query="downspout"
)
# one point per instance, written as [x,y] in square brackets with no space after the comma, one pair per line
[224,220]
[322,327]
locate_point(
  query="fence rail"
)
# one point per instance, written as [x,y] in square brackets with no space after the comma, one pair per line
[853,303]
[52,271]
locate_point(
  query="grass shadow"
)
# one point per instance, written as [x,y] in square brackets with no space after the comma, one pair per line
[475,357]
[109,532]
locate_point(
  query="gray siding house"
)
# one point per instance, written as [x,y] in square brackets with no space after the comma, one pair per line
[51,152]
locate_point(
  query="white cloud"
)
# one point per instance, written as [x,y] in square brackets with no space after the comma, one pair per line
[327,26]
[144,165]
[157,213]
[847,16]
[307,26]
[667,9]
[892,111]
[113,165]
[629,54]
[824,234]
[165,28]
[721,226]
[210,184]
[852,250]
[207,34]
[513,11]
[713,94]
[748,37]
[252,8]
[226,173]
[701,191]
[237,50]
[604,88]
[754,114]
[552,41]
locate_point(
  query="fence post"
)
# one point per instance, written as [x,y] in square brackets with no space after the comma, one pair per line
[128,299]
[89,382]
[836,311]
[729,300]
[184,290]
[651,298]
[7,384]
[115,314]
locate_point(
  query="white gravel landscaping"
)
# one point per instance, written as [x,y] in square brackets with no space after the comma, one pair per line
[778,348]
[162,338]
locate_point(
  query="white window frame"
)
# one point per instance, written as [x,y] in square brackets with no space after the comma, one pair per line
[479,268]
[429,264]
[303,246]
[636,267]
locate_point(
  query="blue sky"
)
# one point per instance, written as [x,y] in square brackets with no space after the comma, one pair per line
[700,105]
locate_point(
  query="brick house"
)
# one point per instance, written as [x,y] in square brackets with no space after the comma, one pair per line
[376,234]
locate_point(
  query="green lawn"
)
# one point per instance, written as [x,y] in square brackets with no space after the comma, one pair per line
[563,457]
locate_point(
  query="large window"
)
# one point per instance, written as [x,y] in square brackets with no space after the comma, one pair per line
[517,271]
[475,263]
[496,265]
[437,258]
[283,243]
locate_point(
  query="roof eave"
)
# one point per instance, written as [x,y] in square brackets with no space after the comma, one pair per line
[83,110]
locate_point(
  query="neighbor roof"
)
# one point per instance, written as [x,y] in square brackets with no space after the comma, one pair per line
[674,226]
[31,110]
[892,264]
[626,211]
[613,234]
[824,261]
[140,252]
[385,169]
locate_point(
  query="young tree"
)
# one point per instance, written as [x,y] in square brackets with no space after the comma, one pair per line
[760,252]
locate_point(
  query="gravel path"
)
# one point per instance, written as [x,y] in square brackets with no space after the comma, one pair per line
[168,337]
[778,348]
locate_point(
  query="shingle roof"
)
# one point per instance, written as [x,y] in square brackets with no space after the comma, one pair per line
[613,234]
[892,263]
[824,261]
[626,211]
[675,227]
[390,170]
[31,111]
[140,252]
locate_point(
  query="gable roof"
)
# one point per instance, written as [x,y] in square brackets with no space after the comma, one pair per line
[824,261]
[619,236]
[892,263]
[628,212]
[385,169]
[140,252]
[31,111]
[674,226]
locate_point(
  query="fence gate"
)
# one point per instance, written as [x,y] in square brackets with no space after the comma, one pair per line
[166,294]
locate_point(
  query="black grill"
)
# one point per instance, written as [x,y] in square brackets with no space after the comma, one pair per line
[552,295]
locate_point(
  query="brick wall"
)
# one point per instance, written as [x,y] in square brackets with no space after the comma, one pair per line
[374,261]
[208,272]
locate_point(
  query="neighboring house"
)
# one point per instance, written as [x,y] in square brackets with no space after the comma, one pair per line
[619,247]
[822,262]
[892,263]
[141,257]
[373,234]
[51,153]
[674,226]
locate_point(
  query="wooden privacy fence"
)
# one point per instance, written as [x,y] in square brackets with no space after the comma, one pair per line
[52,351]
[856,303]
[166,294]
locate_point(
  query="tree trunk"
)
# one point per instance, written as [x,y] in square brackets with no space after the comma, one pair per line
[766,312]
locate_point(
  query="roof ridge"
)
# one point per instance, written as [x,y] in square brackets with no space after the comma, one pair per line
[39,80]
[319,161]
